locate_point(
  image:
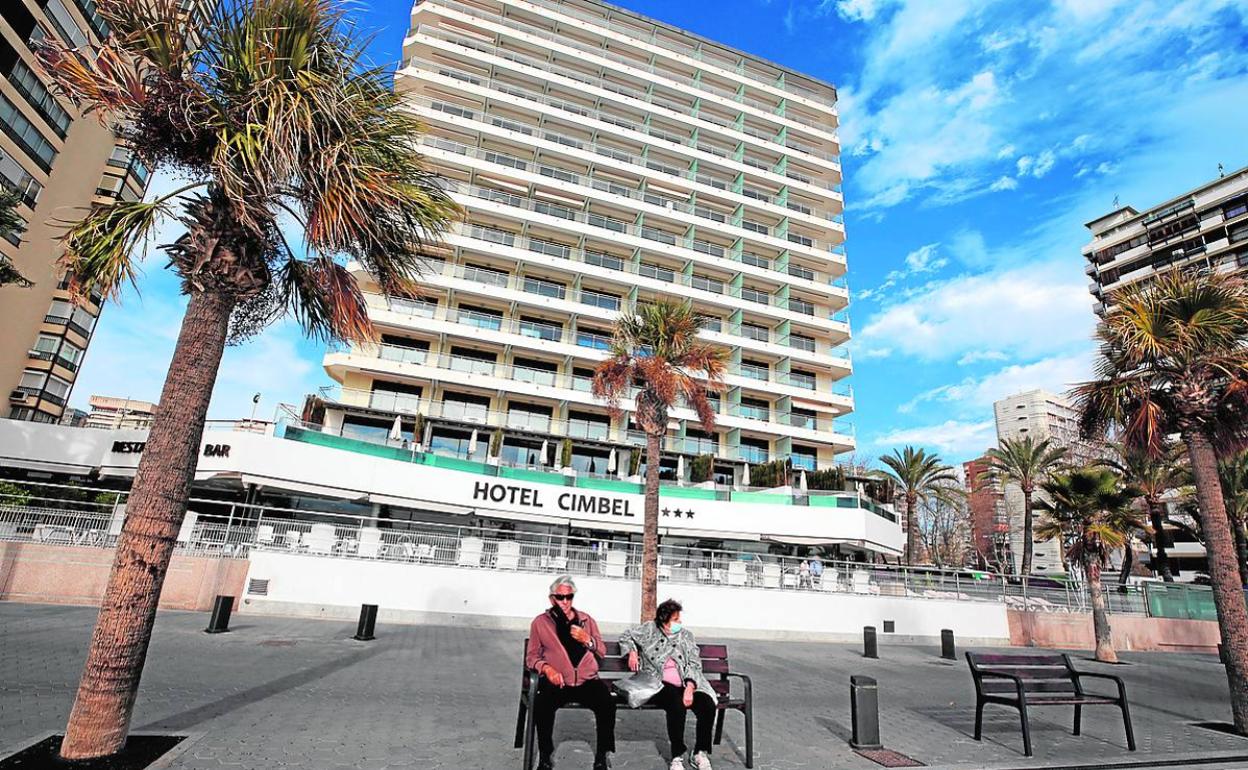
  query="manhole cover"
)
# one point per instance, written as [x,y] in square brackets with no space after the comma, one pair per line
[888,758]
[278,643]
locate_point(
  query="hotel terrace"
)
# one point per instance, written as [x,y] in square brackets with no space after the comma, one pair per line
[605,160]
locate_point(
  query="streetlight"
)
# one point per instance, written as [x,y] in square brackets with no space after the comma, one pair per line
[255,404]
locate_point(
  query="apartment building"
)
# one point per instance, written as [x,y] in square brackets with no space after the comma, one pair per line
[109,413]
[59,164]
[604,160]
[989,521]
[1205,228]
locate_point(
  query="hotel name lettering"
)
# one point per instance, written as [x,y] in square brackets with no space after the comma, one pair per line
[571,502]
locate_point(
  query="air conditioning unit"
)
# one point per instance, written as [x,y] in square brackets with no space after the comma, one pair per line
[17,396]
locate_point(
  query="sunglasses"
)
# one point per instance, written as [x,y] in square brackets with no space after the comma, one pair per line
[562,597]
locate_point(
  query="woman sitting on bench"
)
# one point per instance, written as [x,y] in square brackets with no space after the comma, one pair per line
[667,650]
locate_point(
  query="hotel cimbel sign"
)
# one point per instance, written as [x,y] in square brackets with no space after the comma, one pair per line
[566,502]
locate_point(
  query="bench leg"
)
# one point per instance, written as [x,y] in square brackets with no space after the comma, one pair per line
[749,736]
[1022,715]
[719,725]
[1078,718]
[979,720]
[520,724]
[1126,720]
[530,740]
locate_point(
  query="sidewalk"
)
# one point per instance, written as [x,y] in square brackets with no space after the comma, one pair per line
[299,693]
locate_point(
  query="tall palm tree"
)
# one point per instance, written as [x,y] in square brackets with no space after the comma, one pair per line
[1155,477]
[1092,506]
[1025,462]
[278,128]
[1233,471]
[1174,359]
[656,353]
[919,475]
[10,224]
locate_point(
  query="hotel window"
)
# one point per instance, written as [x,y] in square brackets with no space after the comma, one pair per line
[32,382]
[464,406]
[28,84]
[25,134]
[394,397]
[755,450]
[802,342]
[755,409]
[544,288]
[593,338]
[707,284]
[15,178]
[69,356]
[755,370]
[600,299]
[482,318]
[84,321]
[402,349]
[540,328]
[45,347]
[755,295]
[64,23]
[604,260]
[755,332]
[473,361]
[658,272]
[529,417]
[803,418]
[534,371]
[802,379]
[804,458]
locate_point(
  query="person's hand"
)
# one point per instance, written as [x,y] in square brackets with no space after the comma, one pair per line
[688,699]
[554,677]
[580,634]
[633,663]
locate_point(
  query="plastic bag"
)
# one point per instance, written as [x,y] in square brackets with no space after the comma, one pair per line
[639,688]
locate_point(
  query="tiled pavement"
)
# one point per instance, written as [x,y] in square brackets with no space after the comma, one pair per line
[299,693]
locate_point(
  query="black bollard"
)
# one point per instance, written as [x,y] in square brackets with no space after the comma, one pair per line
[219,623]
[368,623]
[868,642]
[864,706]
[946,645]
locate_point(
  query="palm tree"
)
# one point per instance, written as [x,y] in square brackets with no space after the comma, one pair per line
[919,475]
[1233,471]
[10,224]
[1155,477]
[1024,462]
[278,128]
[656,353]
[1174,359]
[1092,506]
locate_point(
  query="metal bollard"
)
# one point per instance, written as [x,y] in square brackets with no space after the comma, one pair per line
[219,623]
[868,642]
[864,705]
[368,623]
[946,645]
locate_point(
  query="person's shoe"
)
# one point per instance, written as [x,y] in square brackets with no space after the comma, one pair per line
[701,761]
[601,763]
[677,764]
[545,763]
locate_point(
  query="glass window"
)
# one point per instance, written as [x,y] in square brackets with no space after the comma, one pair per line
[83,319]
[64,22]
[755,332]
[541,329]
[37,95]
[70,354]
[419,307]
[544,288]
[48,344]
[32,381]
[25,134]
[57,387]
[802,379]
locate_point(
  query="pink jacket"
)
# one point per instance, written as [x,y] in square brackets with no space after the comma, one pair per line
[546,650]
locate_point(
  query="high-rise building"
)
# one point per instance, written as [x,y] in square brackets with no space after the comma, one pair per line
[604,160]
[989,521]
[59,163]
[1205,228]
[111,413]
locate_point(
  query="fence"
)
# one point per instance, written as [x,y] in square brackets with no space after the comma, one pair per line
[222,529]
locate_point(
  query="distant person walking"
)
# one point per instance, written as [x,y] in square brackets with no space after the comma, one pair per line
[564,649]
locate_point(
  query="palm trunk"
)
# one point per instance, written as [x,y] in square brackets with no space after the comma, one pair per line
[650,531]
[1228,592]
[100,719]
[1028,538]
[912,532]
[1161,540]
[1241,549]
[1100,616]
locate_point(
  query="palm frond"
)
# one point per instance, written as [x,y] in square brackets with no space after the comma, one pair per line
[325,299]
[103,249]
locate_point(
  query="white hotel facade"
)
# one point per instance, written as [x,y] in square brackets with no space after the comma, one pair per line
[603,160]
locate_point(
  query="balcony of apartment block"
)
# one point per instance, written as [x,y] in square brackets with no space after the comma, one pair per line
[786,236]
[824,209]
[528,36]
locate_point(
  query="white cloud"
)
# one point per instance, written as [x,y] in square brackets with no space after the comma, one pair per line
[975,356]
[1004,183]
[855,10]
[973,395]
[952,437]
[1028,311]
[921,260]
[1044,164]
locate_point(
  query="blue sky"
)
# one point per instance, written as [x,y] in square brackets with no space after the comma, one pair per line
[978,137]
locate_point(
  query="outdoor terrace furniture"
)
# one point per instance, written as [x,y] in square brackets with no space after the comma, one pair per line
[827,581]
[508,555]
[736,573]
[470,550]
[771,576]
[321,539]
[54,533]
[862,581]
[265,535]
[614,666]
[1019,681]
[616,564]
[370,543]
[187,531]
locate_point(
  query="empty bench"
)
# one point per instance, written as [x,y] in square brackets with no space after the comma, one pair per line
[1020,681]
[614,666]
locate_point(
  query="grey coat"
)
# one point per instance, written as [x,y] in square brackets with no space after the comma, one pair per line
[654,648]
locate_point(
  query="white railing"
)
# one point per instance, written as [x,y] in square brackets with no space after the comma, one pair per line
[210,533]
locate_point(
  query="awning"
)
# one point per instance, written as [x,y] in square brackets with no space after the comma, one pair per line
[800,540]
[299,486]
[35,465]
[708,534]
[424,505]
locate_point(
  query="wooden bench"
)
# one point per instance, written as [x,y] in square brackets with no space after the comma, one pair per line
[615,666]
[1020,681]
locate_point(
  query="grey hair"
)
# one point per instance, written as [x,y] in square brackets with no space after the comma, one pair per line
[562,580]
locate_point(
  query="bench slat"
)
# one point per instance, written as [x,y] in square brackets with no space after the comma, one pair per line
[1023,672]
[985,660]
[999,686]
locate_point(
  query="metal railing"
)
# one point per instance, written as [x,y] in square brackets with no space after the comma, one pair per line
[233,530]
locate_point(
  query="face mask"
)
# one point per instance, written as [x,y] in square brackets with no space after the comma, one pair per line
[675,628]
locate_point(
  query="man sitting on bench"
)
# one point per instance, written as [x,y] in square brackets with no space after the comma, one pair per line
[564,649]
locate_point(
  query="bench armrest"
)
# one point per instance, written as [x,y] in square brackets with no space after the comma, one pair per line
[1122,687]
[988,673]
[749,686]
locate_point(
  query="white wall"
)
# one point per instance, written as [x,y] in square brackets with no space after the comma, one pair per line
[324,586]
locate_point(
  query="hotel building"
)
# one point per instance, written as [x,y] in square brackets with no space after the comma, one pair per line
[1205,228]
[604,160]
